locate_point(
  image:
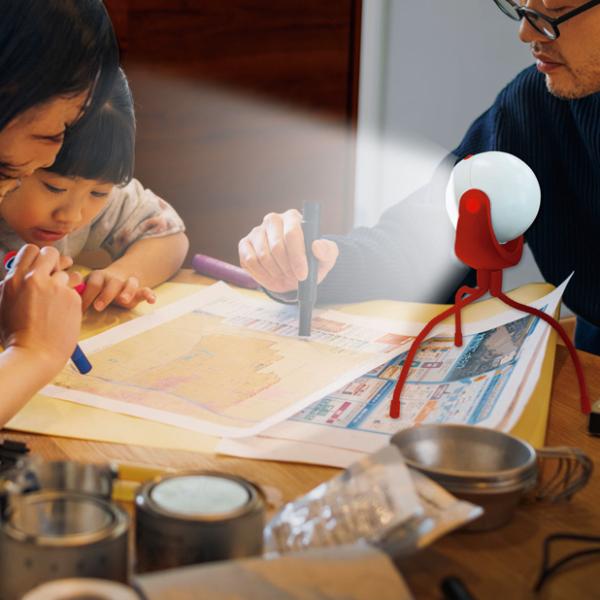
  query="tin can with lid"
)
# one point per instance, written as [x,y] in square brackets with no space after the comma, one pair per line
[194,517]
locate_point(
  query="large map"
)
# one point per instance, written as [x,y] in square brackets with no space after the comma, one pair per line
[224,364]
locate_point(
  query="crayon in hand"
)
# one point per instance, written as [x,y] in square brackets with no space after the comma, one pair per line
[80,360]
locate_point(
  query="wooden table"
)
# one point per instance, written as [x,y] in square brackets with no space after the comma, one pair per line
[498,564]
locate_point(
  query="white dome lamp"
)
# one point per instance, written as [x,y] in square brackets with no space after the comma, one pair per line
[492,198]
[510,185]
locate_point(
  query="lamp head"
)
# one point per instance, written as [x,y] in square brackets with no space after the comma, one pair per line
[510,185]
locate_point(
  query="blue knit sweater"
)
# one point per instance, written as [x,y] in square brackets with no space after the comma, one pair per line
[560,141]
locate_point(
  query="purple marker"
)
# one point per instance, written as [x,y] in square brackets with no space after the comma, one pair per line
[218,269]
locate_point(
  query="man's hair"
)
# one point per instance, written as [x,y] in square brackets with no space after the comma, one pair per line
[102,146]
[51,48]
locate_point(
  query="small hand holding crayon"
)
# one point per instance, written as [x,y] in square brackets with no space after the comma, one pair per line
[104,287]
[39,312]
[64,262]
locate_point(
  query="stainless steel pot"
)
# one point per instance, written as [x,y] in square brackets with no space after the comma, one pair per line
[490,468]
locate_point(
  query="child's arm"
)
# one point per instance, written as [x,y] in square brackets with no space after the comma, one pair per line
[128,280]
[144,236]
[23,372]
[40,317]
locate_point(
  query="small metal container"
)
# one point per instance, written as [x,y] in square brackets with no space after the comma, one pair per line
[195,517]
[34,474]
[49,535]
[82,589]
[487,467]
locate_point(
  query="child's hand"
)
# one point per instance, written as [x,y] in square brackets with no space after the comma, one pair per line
[39,312]
[105,287]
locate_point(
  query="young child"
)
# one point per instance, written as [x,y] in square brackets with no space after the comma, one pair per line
[87,200]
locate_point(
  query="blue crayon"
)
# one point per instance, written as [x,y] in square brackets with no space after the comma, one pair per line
[80,360]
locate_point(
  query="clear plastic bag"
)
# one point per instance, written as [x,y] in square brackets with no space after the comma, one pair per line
[377,499]
[369,499]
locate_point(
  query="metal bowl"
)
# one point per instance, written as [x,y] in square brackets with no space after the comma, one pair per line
[484,466]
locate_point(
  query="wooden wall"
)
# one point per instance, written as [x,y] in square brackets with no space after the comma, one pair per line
[243,107]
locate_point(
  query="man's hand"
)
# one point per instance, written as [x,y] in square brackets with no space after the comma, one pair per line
[106,287]
[273,253]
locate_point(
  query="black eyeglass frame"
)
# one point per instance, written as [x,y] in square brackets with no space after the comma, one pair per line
[533,16]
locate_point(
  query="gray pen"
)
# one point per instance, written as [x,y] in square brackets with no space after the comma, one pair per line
[307,289]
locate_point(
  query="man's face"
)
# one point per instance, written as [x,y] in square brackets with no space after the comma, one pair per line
[571,63]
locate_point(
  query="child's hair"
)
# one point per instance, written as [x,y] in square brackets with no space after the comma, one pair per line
[51,48]
[102,147]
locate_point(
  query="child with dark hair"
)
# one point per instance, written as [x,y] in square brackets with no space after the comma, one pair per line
[88,200]
[58,61]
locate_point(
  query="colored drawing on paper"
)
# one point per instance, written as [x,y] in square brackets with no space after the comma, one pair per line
[224,364]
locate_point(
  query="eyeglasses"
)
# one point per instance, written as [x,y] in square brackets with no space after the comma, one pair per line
[542,23]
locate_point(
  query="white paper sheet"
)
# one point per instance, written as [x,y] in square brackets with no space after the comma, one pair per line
[224,364]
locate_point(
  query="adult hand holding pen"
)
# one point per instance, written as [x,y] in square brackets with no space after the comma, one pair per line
[40,319]
[273,252]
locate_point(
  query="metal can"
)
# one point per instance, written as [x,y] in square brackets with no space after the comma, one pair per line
[49,535]
[195,517]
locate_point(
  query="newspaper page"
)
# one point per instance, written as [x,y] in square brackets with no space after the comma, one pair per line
[485,382]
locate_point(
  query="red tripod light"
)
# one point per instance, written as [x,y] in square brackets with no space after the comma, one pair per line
[476,245]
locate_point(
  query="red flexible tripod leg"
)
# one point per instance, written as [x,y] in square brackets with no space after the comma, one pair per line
[395,404]
[584,397]
[483,286]
[460,302]
[486,281]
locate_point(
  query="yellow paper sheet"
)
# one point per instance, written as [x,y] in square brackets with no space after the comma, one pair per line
[54,417]
[358,572]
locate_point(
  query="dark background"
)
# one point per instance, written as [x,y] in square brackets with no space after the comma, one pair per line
[243,107]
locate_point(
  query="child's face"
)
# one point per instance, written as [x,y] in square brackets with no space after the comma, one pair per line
[47,207]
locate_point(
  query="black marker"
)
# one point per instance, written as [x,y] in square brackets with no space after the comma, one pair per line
[454,589]
[307,289]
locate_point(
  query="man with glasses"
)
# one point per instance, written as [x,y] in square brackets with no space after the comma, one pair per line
[549,116]
[571,63]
